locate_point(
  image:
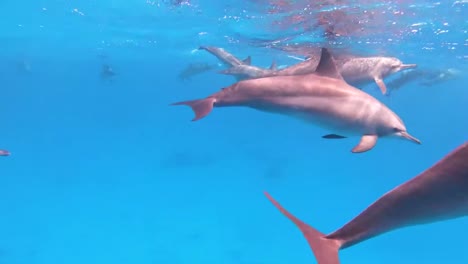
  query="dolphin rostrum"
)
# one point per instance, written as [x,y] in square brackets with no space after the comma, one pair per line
[438,194]
[322,97]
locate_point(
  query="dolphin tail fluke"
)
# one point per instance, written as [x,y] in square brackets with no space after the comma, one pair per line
[201,107]
[325,250]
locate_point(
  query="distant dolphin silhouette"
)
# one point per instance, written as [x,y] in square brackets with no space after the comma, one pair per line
[437,194]
[4,152]
[322,98]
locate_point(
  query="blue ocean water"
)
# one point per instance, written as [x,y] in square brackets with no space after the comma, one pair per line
[105,171]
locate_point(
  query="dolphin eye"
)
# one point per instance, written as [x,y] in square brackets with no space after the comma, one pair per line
[396,129]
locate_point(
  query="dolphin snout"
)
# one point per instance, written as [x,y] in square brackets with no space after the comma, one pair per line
[406,135]
[408,66]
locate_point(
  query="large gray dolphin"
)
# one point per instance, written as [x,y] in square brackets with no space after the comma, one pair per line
[322,98]
[440,193]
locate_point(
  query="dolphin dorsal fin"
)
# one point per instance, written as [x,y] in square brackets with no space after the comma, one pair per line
[247,60]
[273,66]
[326,65]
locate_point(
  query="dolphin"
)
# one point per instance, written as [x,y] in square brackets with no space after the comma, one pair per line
[361,70]
[426,77]
[4,152]
[322,98]
[107,71]
[194,69]
[243,72]
[227,58]
[354,70]
[439,193]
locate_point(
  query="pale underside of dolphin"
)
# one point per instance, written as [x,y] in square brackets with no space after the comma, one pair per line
[438,194]
[322,98]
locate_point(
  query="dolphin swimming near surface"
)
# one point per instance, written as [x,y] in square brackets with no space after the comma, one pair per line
[4,152]
[243,72]
[361,70]
[252,72]
[354,70]
[227,58]
[322,98]
[438,194]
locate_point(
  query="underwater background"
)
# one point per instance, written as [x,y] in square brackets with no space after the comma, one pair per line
[103,170]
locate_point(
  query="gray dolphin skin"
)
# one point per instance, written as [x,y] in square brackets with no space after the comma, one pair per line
[439,193]
[227,58]
[361,70]
[322,98]
[356,71]
[244,72]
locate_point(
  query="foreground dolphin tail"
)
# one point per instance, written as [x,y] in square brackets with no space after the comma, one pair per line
[325,250]
[201,107]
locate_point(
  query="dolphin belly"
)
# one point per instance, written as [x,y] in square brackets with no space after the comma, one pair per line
[344,114]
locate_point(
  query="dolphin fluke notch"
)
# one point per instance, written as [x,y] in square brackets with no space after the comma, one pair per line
[326,65]
[201,107]
[325,250]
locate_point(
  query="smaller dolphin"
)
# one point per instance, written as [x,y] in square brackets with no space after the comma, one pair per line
[242,72]
[440,193]
[322,98]
[4,152]
[194,69]
[307,66]
[227,58]
[426,77]
[107,72]
[360,70]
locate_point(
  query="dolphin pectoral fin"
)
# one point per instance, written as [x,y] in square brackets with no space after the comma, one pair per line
[247,60]
[333,136]
[381,84]
[201,107]
[367,143]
